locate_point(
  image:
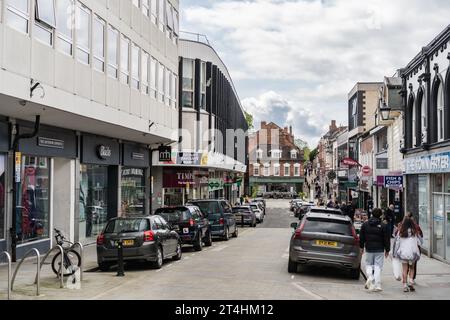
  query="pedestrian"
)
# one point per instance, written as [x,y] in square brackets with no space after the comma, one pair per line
[241,199]
[376,241]
[390,218]
[351,211]
[419,235]
[406,249]
[330,204]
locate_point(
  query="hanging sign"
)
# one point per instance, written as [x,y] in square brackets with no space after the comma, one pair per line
[18,166]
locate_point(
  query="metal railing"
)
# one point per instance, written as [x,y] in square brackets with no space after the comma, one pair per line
[38,272]
[61,275]
[8,256]
[195,37]
[81,256]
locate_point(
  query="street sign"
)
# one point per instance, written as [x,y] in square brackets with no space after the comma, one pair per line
[350,162]
[367,171]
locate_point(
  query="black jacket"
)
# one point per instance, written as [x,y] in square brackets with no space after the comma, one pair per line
[390,215]
[374,236]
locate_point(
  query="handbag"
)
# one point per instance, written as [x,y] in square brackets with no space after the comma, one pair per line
[397,269]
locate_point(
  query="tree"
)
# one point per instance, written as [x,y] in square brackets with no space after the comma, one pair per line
[306,153]
[249,119]
[313,154]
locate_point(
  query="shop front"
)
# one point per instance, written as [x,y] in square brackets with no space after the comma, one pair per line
[134,180]
[4,146]
[99,186]
[40,178]
[178,186]
[428,198]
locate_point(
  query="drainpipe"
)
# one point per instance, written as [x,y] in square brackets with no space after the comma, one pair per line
[16,184]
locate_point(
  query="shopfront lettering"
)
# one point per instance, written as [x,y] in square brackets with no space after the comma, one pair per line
[104,152]
[50,143]
[437,163]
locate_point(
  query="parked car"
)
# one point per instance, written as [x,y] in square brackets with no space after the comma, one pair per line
[315,209]
[190,223]
[295,203]
[220,216]
[147,239]
[327,240]
[258,210]
[301,209]
[247,213]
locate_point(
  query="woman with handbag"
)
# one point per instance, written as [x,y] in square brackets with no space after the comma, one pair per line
[406,248]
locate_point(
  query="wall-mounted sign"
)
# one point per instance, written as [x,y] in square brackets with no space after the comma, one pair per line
[435,163]
[189,158]
[393,182]
[104,152]
[165,153]
[382,163]
[18,166]
[350,162]
[215,184]
[342,173]
[178,179]
[366,171]
[50,143]
[138,156]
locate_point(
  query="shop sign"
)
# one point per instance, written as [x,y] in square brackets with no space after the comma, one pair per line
[138,156]
[18,166]
[104,152]
[435,163]
[133,172]
[178,179]
[382,163]
[50,143]
[342,174]
[189,158]
[393,182]
[215,184]
[350,162]
[165,154]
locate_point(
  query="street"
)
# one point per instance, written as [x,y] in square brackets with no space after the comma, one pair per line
[254,266]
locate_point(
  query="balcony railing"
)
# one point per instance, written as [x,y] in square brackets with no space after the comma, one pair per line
[195,37]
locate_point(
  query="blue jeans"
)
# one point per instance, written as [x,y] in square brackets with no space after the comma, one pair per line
[374,266]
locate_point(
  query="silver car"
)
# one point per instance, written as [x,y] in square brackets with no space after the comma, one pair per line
[326,240]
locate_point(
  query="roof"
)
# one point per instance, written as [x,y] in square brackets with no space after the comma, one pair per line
[338,217]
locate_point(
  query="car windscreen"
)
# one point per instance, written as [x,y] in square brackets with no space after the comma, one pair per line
[330,226]
[174,214]
[209,208]
[127,225]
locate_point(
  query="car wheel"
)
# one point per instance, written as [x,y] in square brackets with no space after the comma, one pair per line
[254,224]
[355,274]
[236,233]
[159,259]
[179,253]
[292,266]
[104,266]
[198,245]
[226,237]
[208,240]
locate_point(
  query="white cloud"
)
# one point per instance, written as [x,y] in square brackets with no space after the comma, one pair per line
[322,47]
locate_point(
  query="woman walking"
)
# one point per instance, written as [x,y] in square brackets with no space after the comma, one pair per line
[406,248]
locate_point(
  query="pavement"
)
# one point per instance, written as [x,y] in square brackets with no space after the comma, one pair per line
[253,266]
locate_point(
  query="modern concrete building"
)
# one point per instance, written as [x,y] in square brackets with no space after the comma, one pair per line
[210,159]
[102,76]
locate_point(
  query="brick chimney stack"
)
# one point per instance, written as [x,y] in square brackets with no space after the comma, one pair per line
[290,130]
[333,126]
[263,124]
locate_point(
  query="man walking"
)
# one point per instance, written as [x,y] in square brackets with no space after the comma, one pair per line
[375,238]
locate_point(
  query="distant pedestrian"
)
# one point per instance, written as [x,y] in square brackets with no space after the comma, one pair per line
[241,199]
[406,248]
[375,240]
[351,211]
[330,204]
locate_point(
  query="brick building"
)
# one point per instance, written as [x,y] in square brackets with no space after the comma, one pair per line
[276,162]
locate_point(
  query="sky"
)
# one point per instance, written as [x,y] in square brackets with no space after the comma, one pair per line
[294,62]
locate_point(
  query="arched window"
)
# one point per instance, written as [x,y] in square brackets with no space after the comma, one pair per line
[423,118]
[440,111]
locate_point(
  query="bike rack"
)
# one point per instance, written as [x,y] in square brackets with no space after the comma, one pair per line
[82,257]
[38,272]
[61,275]
[9,272]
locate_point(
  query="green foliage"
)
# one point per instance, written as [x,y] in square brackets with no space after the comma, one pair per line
[313,154]
[249,119]
[306,153]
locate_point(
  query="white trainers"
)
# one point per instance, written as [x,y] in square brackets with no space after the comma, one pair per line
[369,284]
[378,289]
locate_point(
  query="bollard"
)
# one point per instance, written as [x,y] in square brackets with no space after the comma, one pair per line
[120,271]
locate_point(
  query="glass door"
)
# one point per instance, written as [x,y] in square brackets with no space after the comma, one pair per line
[438,217]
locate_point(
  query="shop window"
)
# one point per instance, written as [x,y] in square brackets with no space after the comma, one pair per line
[93,201]
[424,221]
[33,193]
[133,191]
[64,30]
[18,14]
[2,195]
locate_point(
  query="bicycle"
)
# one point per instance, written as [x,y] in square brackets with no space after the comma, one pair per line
[71,258]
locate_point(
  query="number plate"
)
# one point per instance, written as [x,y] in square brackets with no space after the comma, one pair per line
[330,244]
[128,243]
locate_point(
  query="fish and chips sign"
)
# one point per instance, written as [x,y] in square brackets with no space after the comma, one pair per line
[435,163]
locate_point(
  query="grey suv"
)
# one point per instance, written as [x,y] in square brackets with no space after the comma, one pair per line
[327,240]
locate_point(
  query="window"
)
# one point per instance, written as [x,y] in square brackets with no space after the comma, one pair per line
[161,73]
[173,90]
[18,14]
[259,154]
[188,83]
[414,124]
[276,154]
[424,119]
[83,18]
[297,170]
[169,20]
[145,4]
[135,82]
[43,33]
[98,44]
[64,30]
[45,12]
[113,57]
[154,11]
[133,191]
[276,170]
[440,111]
[256,171]
[167,87]
[294,154]
[176,23]
[136,3]
[287,170]
[267,170]
[124,60]
[355,112]
[203,85]
[145,74]
[161,14]
[153,77]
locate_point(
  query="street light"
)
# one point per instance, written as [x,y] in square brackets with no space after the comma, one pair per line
[385,112]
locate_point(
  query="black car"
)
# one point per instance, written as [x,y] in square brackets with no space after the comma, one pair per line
[190,223]
[147,239]
[220,216]
[246,215]
[301,209]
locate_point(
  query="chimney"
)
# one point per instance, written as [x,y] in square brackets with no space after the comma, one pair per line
[333,125]
[263,124]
